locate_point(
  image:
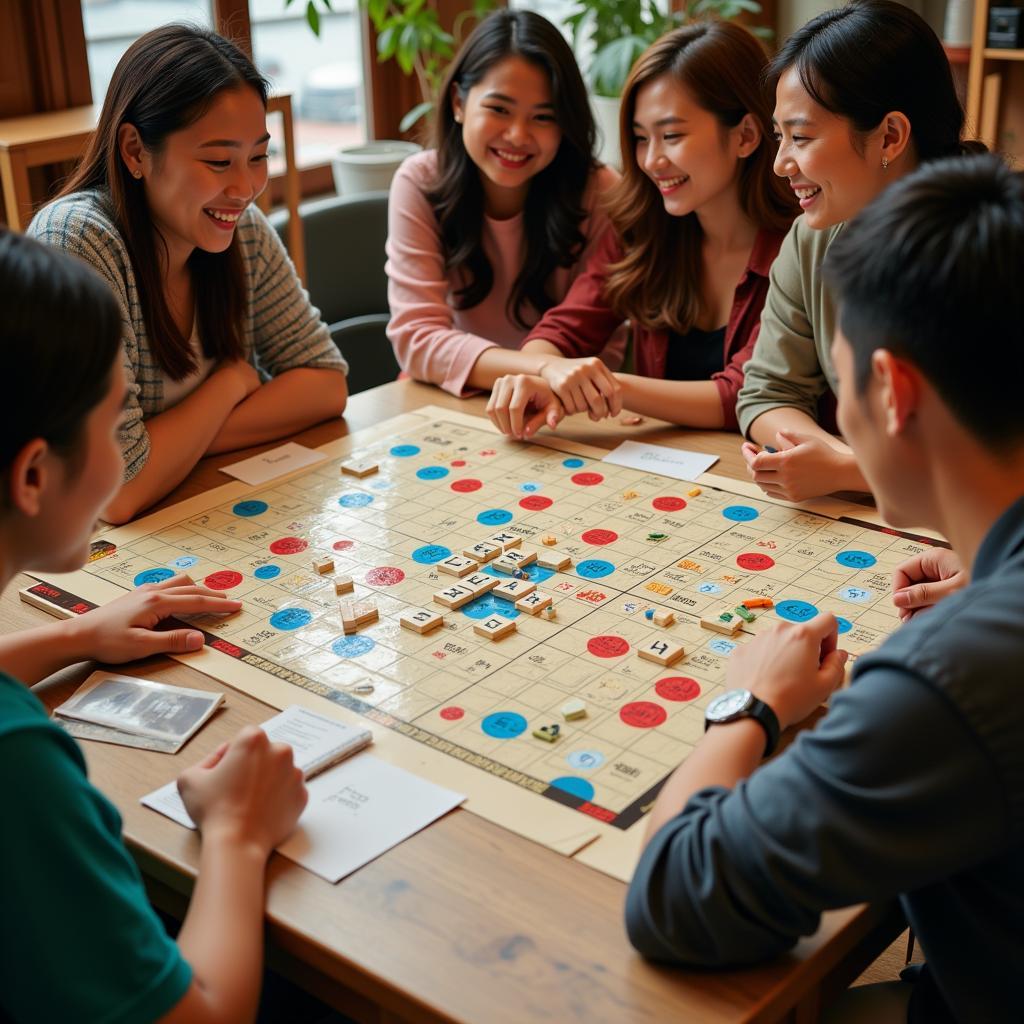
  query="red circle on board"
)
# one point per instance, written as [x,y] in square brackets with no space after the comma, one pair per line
[754,562]
[452,714]
[384,576]
[459,463]
[643,714]
[535,502]
[587,479]
[343,545]
[599,537]
[288,546]
[607,646]
[677,688]
[467,485]
[669,504]
[224,579]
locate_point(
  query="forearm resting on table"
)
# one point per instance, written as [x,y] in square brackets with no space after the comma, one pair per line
[689,403]
[292,401]
[222,935]
[497,362]
[33,654]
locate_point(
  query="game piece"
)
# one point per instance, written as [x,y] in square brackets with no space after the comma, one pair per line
[694,492]
[482,552]
[356,614]
[664,618]
[364,687]
[630,495]
[548,540]
[323,565]
[343,585]
[744,614]
[494,628]
[548,733]
[657,536]
[534,602]
[455,596]
[359,468]
[758,602]
[662,652]
[520,574]
[31,595]
[631,421]
[649,613]
[512,590]
[507,541]
[573,710]
[549,613]
[724,622]
[479,582]
[420,620]
[457,565]
[520,558]
[553,560]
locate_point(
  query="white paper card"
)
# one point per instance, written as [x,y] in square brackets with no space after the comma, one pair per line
[274,463]
[359,810]
[657,458]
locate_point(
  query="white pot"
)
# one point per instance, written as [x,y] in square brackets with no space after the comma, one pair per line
[606,113]
[370,167]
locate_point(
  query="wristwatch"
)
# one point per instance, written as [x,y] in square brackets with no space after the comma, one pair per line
[734,704]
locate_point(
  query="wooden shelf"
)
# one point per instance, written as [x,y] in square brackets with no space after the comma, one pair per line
[995,53]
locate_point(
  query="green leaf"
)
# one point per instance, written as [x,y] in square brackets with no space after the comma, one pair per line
[313,17]
[420,110]
[387,42]
[611,64]
[378,11]
[405,54]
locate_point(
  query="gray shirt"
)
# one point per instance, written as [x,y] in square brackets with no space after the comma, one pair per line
[911,786]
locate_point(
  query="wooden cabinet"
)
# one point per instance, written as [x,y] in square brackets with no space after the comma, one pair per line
[995,90]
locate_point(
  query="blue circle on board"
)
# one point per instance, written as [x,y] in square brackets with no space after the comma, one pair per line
[529,487]
[404,451]
[153,576]
[708,588]
[291,618]
[352,646]
[487,605]
[252,507]
[184,562]
[585,760]
[354,499]
[740,513]
[432,473]
[430,554]
[504,725]
[594,568]
[575,785]
[572,463]
[856,594]
[845,625]
[267,572]
[494,517]
[795,611]
[534,573]
[856,559]
[721,646]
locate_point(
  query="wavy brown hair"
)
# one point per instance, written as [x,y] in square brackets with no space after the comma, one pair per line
[167,80]
[657,284]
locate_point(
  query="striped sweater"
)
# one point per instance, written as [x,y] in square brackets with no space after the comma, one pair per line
[282,330]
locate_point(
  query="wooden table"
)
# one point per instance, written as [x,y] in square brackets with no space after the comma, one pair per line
[464,921]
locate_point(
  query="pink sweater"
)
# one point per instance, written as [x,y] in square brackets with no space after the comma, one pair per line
[434,342]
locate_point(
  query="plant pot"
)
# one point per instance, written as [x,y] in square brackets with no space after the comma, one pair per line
[606,113]
[369,167]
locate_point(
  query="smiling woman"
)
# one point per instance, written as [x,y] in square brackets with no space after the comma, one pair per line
[222,349]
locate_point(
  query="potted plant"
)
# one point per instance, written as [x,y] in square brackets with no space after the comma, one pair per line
[615,33]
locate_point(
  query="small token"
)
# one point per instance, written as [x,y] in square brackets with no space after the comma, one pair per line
[744,614]
[548,540]
[664,618]
[323,565]
[548,733]
[553,560]
[343,585]
[631,421]
[549,613]
[759,602]
[725,622]
[494,628]
[420,620]
[363,687]
[694,492]
[574,709]
[359,467]
[630,495]
[657,536]
[661,652]
[520,574]
[649,613]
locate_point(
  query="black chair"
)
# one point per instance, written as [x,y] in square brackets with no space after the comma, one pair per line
[345,265]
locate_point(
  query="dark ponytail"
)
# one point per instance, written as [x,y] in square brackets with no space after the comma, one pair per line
[871,57]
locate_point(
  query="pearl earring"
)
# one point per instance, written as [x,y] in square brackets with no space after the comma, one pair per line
[137,173]
[885,163]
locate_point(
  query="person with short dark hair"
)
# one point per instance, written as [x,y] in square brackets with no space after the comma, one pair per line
[913,783]
[78,938]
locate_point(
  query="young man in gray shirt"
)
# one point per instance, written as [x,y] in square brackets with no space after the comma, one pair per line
[913,784]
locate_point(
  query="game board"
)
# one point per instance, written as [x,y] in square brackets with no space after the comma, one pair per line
[461,708]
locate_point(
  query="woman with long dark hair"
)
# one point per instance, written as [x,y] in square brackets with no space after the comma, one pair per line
[697,219]
[488,228]
[162,206]
[863,95]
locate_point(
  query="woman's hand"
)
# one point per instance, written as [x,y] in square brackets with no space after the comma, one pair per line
[584,385]
[521,404]
[805,466]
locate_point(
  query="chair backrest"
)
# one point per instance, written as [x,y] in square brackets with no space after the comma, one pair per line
[345,238]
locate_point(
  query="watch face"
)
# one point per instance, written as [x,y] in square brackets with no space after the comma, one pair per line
[730,703]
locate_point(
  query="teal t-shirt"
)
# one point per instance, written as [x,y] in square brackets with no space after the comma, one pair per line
[78,939]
